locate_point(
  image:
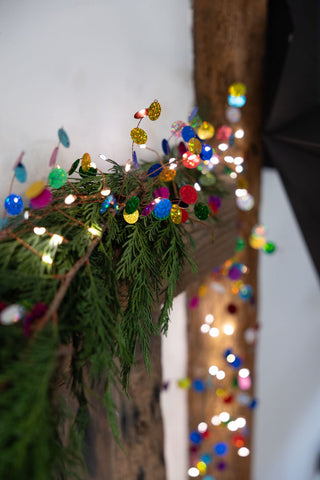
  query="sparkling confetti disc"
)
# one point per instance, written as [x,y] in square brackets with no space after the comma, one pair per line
[85,162]
[162,209]
[13,204]
[187,133]
[246,202]
[206,152]
[188,194]
[35,189]
[63,137]
[201,211]
[205,131]
[269,247]
[41,200]
[237,89]
[21,173]
[223,133]
[155,170]
[138,136]
[154,111]
[233,114]
[132,205]
[176,128]
[190,160]
[161,192]
[194,146]
[57,177]
[167,175]
[176,214]
[131,217]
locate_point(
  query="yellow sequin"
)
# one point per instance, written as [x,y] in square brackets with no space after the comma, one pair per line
[237,89]
[205,131]
[154,110]
[138,135]
[85,162]
[131,217]
[167,175]
[35,189]
[176,214]
[194,146]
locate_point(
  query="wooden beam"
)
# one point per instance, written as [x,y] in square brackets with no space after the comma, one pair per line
[229,45]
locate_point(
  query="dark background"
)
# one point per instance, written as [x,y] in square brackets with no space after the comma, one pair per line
[292,109]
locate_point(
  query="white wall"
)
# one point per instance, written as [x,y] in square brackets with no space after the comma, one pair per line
[287,422]
[89,65]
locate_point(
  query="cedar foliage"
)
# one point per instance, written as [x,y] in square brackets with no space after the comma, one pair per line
[97,330]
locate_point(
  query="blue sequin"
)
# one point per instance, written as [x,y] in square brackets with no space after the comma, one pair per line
[206,152]
[231,140]
[187,133]
[63,137]
[198,385]
[13,204]
[106,204]
[162,209]
[165,147]
[195,437]
[193,113]
[21,173]
[135,160]
[238,102]
[221,448]
[155,170]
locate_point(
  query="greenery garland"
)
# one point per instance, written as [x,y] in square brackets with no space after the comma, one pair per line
[91,306]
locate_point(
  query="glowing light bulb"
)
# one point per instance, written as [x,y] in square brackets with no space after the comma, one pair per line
[223,147]
[173,166]
[224,417]
[70,199]
[128,166]
[213,370]
[228,329]
[241,192]
[231,358]
[209,319]
[214,332]
[172,160]
[228,159]
[215,420]
[105,192]
[233,175]
[202,427]
[39,230]
[93,165]
[47,259]
[55,240]
[238,160]
[220,375]
[193,472]
[244,372]
[143,146]
[239,133]
[26,215]
[232,426]
[94,231]
[239,168]
[197,187]
[214,160]
[204,328]
[241,422]
[243,452]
